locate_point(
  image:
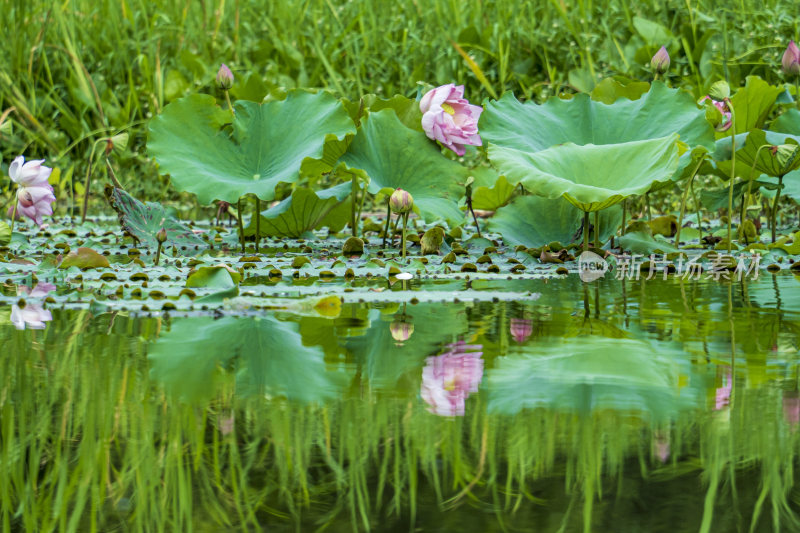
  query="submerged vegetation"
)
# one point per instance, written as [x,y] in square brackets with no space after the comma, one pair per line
[539,266]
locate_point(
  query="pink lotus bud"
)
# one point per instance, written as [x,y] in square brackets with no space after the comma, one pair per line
[161,236]
[224,77]
[401,201]
[660,61]
[450,119]
[791,60]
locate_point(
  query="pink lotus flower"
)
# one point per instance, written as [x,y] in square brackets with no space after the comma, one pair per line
[448,379]
[34,193]
[521,329]
[791,60]
[32,314]
[450,119]
[726,114]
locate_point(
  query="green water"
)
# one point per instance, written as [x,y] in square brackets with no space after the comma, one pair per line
[611,406]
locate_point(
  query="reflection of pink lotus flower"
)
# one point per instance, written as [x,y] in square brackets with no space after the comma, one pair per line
[450,119]
[661,446]
[34,193]
[32,314]
[449,378]
[521,329]
[723,394]
[791,409]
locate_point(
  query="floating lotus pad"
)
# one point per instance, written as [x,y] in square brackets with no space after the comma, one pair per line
[218,156]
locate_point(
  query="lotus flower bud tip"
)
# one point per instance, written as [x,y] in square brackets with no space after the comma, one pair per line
[224,77]
[660,61]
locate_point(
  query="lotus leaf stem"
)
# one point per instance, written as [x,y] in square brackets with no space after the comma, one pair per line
[624,212]
[797,91]
[258,222]
[353,194]
[158,252]
[683,201]
[14,214]
[405,225]
[774,214]
[241,223]
[585,230]
[698,208]
[746,197]
[733,171]
[597,229]
[647,204]
[361,204]
[388,221]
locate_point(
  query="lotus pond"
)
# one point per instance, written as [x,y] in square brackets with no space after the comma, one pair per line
[556,291]
[319,397]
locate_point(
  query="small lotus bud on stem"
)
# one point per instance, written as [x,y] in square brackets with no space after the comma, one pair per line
[225,82]
[401,201]
[224,77]
[161,237]
[660,62]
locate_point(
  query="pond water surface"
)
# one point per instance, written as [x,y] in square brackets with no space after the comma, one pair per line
[649,405]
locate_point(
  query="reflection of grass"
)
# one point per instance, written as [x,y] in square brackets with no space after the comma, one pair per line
[87,443]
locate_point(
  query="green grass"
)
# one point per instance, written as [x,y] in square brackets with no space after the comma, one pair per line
[79,71]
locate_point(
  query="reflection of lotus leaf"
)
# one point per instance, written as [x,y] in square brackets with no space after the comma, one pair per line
[267,355]
[589,373]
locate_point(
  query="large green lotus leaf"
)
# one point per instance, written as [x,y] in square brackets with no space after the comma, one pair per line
[610,90]
[407,109]
[752,104]
[535,221]
[746,148]
[144,220]
[490,191]
[591,373]
[394,156]
[208,152]
[766,162]
[658,113]
[266,354]
[303,211]
[591,177]
[788,122]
